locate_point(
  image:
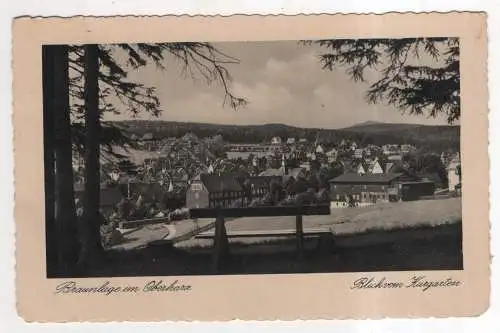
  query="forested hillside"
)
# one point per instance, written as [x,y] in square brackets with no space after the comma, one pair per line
[431,137]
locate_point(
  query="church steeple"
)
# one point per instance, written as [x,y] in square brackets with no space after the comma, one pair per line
[283,164]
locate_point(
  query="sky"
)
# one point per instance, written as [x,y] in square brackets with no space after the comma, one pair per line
[283,83]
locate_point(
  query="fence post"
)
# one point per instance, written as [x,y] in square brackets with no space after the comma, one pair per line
[300,236]
[221,243]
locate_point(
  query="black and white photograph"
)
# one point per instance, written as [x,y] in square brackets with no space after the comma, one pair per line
[237,158]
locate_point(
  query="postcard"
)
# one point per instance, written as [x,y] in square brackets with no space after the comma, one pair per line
[251,167]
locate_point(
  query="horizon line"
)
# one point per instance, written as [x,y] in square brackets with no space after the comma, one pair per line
[369,122]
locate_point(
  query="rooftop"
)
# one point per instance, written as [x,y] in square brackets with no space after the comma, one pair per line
[296,172]
[366,178]
[271,172]
[224,182]
[259,181]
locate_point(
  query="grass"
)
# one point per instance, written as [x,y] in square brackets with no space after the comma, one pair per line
[409,236]
[380,219]
[401,215]
[436,248]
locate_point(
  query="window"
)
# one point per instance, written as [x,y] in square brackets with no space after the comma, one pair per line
[196,187]
[197,195]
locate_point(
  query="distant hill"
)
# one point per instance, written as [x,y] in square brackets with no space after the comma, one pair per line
[433,136]
[365,123]
[436,138]
[375,127]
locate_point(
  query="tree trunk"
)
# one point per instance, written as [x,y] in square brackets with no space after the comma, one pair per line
[65,215]
[48,153]
[91,222]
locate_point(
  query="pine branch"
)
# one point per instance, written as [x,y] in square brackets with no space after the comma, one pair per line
[414,89]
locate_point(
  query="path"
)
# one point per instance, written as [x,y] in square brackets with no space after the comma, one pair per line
[175,232]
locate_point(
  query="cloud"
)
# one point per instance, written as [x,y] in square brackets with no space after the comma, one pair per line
[264,97]
[283,83]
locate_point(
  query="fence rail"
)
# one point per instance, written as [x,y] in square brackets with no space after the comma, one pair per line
[261,211]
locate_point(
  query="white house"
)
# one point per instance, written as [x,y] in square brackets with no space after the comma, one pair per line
[405,149]
[319,149]
[332,155]
[114,175]
[358,153]
[276,140]
[453,176]
[290,141]
[391,150]
[375,168]
[361,170]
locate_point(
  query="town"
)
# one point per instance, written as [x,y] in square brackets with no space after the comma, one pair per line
[152,173]
[165,177]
